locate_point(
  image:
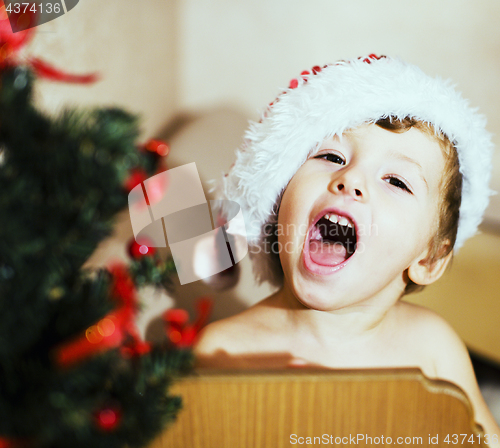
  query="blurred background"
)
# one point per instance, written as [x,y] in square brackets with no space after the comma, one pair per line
[197,71]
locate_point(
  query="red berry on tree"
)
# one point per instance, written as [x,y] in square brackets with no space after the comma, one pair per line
[138,250]
[157,147]
[136,177]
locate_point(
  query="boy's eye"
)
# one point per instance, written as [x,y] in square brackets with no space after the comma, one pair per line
[331,157]
[398,183]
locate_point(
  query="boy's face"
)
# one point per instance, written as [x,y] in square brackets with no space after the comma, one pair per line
[358,214]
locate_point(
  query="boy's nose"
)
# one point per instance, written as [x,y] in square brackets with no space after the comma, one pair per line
[351,185]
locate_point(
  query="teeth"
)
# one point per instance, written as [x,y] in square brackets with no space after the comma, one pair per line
[342,220]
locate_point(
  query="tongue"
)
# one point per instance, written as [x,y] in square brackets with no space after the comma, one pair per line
[327,254]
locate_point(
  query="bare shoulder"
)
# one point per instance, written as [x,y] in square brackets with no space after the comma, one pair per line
[236,334]
[437,338]
[449,355]
[422,318]
[223,334]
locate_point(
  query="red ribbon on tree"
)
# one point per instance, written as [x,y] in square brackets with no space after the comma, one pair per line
[16,442]
[179,332]
[116,329]
[136,177]
[44,70]
[11,43]
[7,443]
[157,185]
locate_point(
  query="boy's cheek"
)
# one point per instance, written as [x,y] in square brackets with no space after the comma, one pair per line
[291,231]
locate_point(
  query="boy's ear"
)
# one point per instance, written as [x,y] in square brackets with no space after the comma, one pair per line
[424,271]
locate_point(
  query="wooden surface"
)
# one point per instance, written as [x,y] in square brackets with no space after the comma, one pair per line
[263,409]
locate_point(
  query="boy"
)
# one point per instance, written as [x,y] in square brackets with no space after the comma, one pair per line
[356,186]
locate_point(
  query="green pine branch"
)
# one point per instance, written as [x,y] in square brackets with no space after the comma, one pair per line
[61,184]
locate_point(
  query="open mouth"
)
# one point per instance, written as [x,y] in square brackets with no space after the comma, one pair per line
[332,240]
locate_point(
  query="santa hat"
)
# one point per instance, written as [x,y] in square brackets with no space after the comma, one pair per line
[330,100]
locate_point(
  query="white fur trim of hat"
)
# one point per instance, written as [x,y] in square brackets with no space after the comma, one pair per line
[338,97]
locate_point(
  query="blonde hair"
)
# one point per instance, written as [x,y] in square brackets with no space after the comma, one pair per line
[443,240]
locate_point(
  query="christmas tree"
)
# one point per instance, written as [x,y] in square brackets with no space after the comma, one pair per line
[73,370]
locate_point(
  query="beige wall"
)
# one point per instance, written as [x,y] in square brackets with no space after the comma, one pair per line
[240,52]
[131,44]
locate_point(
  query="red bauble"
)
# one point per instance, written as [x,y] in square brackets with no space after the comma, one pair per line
[138,250]
[109,418]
